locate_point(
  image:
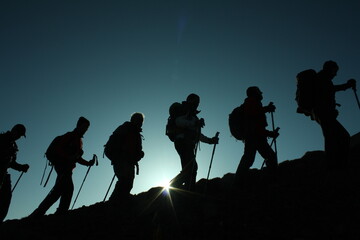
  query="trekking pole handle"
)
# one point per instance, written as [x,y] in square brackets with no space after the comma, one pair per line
[96,159]
[277,131]
[352,83]
[272,104]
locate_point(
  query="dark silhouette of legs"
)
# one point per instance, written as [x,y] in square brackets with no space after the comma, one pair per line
[5,197]
[125,174]
[62,189]
[337,142]
[253,145]
[187,176]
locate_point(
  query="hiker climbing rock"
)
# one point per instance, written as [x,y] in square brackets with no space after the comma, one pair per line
[124,149]
[8,153]
[186,139]
[68,152]
[256,134]
[323,111]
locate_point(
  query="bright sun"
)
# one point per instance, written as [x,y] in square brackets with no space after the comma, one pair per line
[166,185]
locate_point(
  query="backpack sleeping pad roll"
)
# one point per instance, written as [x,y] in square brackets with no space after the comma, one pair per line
[305,91]
[237,123]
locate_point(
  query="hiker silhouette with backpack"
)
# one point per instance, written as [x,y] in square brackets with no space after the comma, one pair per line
[255,135]
[321,107]
[186,135]
[124,149]
[8,153]
[67,152]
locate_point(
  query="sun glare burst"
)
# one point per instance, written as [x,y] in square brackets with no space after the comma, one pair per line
[166,185]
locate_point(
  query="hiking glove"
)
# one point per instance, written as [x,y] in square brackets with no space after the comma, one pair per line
[270,108]
[91,162]
[215,140]
[351,83]
[273,134]
[24,167]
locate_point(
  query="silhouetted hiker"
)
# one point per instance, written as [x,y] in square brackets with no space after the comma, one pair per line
[8,151]
[186,140]
[127,146]
[337,138]
[69,152]
[255,136]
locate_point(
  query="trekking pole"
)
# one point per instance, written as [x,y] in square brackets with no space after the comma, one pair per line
[212,156]
[273,128]
[43,175]
[357,98]
[17,182]
[277,129]
[112,180]
[48,177]
[87,172]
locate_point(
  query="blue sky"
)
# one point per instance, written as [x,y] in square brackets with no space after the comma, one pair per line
[105,60]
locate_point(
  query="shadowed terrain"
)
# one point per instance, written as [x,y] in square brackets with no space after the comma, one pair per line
[307,202]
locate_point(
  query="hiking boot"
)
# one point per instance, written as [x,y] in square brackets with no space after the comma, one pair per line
[36,214]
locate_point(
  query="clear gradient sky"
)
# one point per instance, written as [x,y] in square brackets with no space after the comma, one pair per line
[104,60]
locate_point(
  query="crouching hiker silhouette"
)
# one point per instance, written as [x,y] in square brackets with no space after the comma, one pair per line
[186,140]
[68,153]
[124,149]
[337,138]
[8,151]
[255,136]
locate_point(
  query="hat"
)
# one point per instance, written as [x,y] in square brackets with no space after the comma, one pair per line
[81,121]
[20,129]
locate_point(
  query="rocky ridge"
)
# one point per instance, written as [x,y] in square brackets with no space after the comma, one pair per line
[306,202]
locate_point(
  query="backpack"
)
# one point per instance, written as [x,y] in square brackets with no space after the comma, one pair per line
[114,142]
[176,109]
[51,152]
[11,148]
[237,122]
[305,91]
